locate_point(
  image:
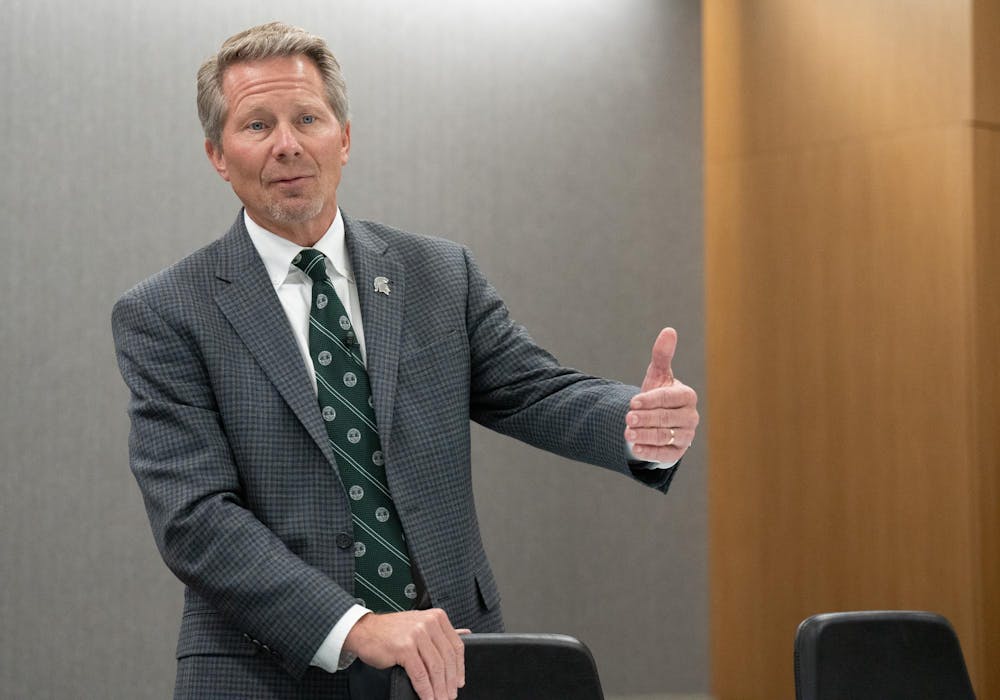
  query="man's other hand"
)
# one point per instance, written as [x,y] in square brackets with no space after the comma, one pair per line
[423,642]
[663,417]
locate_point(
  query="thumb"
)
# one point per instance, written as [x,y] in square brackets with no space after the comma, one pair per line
[659,372]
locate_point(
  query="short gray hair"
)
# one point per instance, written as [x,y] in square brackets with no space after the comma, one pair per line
[255,44]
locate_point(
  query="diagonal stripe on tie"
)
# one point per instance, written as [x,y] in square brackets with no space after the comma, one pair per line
[381,540]
[319,327]
[381,558]
[382,596]
[372,479]
[346,402]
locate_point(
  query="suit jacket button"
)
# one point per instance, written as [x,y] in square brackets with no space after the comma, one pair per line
[344,541]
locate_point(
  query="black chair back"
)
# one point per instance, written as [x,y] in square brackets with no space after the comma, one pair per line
[520,667]
[879,655]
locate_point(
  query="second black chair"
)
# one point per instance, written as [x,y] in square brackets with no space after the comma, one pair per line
[879,655]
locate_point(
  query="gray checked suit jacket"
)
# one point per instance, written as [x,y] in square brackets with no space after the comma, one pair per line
[239,481]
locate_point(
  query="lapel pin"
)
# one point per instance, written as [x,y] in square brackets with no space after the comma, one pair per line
[382,285]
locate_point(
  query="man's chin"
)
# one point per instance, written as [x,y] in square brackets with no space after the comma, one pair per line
[292,212]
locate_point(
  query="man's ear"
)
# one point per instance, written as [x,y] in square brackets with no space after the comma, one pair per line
[217,159]
[345,145]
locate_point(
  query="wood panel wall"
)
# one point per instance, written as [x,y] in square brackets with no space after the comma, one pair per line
[852,165]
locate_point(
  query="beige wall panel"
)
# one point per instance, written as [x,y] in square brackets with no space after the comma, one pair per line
[838,277]
[852,248]
[986,61]
[985,396]
[797,73]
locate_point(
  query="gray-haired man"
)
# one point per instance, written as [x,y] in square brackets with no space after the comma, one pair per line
[248,490]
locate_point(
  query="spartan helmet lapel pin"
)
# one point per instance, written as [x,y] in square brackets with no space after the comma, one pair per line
[382,285]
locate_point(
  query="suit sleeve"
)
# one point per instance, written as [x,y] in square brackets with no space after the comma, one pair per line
[207,536]
[519,389]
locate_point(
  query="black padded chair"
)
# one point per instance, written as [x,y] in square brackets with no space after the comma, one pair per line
[879,655]
[520,667]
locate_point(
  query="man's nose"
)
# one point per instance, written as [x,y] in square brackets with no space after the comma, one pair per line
[285,142]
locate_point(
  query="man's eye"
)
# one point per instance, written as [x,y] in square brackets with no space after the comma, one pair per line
[308,119]
[256,126]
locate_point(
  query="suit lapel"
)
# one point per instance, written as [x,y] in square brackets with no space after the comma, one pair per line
[251,306]
[382,315]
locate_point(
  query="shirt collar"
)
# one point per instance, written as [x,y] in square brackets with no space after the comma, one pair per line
[277,252]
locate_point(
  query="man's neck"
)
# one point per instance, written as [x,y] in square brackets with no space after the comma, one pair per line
[304,233]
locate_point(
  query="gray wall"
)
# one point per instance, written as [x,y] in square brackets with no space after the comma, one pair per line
[560,140]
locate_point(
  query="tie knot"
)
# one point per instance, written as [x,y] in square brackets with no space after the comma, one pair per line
[311,262]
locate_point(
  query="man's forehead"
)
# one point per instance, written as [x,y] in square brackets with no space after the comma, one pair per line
[247,79]
[297,67]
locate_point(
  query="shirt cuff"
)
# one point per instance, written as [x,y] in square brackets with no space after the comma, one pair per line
[331,656]
[644,464]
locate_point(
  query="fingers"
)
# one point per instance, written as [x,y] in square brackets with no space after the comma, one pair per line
[420,675]
[451,649]
[661,422]
[441,666]
[423,642]
[661,418]
[460,657]
[431,667]
[659,372]
[662,426]
[660,437]
[677,395]
[653,453]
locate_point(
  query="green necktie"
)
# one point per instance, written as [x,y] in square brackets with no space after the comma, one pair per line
[382,577]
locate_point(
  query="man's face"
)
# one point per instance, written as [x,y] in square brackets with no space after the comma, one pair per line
[282,147]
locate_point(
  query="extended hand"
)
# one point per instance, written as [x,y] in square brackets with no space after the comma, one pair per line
[423,642]
[664,415]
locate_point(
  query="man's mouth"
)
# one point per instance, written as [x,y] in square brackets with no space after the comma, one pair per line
[293,180]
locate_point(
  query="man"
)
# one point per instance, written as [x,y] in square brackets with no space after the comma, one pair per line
[306,363]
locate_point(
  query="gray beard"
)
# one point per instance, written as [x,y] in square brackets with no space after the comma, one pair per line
[294,212]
